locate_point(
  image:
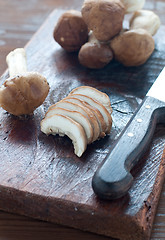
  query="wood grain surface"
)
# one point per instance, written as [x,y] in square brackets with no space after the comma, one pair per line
[15,32]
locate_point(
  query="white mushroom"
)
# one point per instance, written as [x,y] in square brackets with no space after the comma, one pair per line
[145,19]
[77,116]
[95,94]
[16,61]
[133,5]
[60,124]
[106,116]
[24,91]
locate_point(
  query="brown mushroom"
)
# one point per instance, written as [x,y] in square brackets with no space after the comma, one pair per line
[24,91]
[104,17]
[64,125]
[94,110]
[133,47]
[95,54]
[71,31]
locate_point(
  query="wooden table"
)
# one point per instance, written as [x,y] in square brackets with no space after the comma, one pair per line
[19,20]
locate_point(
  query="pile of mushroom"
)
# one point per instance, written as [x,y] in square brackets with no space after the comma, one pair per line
[84,116]
[23,91]
[101,22]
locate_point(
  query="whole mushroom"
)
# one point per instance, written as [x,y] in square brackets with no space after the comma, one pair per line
[71,32]
[133,47]
[133,5]
[23,91]
[145,19]
[95,54]
[103,17]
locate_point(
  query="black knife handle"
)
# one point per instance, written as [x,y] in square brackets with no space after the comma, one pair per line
[113,178]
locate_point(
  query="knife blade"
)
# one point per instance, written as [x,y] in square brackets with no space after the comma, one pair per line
[113,179]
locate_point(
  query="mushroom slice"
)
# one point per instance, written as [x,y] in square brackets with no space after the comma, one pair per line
[78,117]
[106,116]
[95,94]
[82,109]
[60,124]
[94,110]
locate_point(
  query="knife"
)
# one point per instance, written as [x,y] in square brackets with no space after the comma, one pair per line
[113,179]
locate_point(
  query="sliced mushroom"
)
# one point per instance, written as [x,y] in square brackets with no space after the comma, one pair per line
[95,94]
[78,117]
[82,109]
[60,124]
[106,116]
[94,110]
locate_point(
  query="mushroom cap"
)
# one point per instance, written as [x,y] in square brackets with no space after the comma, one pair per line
[95,55]
[104,17]
[106,119]
[133,47]
[71,32]
[77,116]
[22,94]
[63,125]
[101,97]
[145,19]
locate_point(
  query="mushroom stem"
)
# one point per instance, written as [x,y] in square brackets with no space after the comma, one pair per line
[16,61]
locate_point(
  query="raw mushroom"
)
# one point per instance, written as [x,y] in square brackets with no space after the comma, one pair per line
[133,47]
[103,17]
[145,19]
[91,115]
[63,125]
[24,91]
[71,31]
[95,54]
[133,5]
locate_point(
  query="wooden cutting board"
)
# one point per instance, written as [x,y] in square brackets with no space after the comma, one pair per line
[41,177]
